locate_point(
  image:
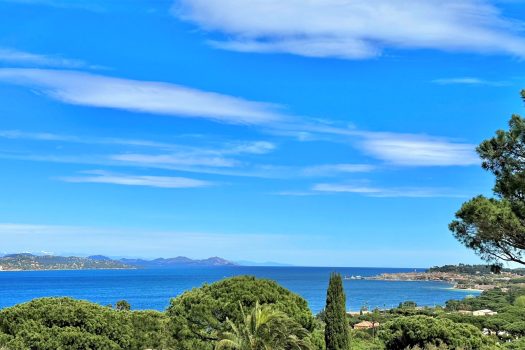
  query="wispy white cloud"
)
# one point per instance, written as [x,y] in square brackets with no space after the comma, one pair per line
[215,148]
[13,56]
[397,149]
[163,98]
[370,191]
[232,167]
[37,136]
[340,48]
[468,81]
[402,150]
[257,147]
[417,150]
[171,156]
[104,177]
[355,29]
[337,169]
[175,159]
[48,136]
[248,170]
[87,89]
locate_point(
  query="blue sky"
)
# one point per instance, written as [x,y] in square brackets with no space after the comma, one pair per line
[330,133]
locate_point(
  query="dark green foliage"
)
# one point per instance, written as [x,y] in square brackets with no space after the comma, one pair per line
[64,323]
[404,332]
[199,315]
[484,225]
[150,330]
[520,301]
[510,320]
[264,328]
[361,340]
[317,336]
[495,227]
[471,269]
[407,305]
[123,305]
[518,344]
[495,299]
[336,329]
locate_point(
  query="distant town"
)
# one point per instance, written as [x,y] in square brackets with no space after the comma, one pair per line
[470,277]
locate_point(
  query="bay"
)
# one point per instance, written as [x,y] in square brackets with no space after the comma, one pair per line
[153,288]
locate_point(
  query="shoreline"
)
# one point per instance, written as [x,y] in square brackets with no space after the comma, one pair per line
[468,289]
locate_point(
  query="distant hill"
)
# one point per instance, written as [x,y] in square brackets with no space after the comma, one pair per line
[26,261]
[99,258]
[176,262]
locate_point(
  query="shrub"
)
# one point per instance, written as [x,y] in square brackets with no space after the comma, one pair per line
[422,331]
[197,316]
[64,323]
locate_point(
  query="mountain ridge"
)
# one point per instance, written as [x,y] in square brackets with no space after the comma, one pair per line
[28,261]
[178,261]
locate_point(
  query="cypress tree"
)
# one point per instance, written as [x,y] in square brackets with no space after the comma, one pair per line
[336,331]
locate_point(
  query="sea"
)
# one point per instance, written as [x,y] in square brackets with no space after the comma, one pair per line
[153,288]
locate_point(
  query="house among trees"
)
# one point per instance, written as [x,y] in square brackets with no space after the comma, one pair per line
[366,325]
[485,312]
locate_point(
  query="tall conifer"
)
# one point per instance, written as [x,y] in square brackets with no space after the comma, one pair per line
[336,331]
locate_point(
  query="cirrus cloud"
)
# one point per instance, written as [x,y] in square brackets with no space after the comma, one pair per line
[104,177]
[11,56]
[371,191]
[78,88]
[417,150]
[354,29]
[468,81]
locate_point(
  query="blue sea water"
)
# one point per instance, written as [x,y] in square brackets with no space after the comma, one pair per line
[153,288]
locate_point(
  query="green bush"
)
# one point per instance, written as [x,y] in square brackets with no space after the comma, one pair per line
[520,301]
[197,316]
[516,345]
[64,323]
[412,331]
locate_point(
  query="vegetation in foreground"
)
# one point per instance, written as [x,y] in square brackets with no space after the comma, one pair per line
[336,325]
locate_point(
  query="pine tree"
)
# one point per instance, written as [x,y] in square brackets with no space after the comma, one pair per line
[336,331]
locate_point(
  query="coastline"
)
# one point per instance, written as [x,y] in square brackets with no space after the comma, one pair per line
[467,289]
